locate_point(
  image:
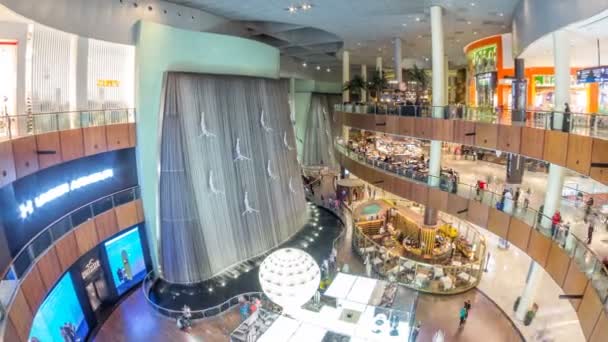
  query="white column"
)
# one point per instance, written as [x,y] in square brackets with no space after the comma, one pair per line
[553,196]
[535,275]
[292,101]
[438,81]
[379,64]
[364,77]
[398,58]
[345,74]
[446,80]
[561,53]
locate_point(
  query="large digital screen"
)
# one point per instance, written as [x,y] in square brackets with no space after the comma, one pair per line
[126,259]
[60,317]
[33,202]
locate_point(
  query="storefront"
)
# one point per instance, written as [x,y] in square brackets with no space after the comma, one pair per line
[491,71]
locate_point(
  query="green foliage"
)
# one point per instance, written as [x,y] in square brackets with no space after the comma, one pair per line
[355,85]
[420,78]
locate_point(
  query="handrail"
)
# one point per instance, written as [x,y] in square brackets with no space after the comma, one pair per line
[11,270]
[586,124]
[21,125]
[572,245]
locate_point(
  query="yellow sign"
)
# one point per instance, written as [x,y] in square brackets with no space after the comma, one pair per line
[108,83]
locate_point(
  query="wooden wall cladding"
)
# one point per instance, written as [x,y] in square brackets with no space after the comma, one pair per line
[579,153]
[575,283]
[403,188]
[50,147]
[7,164]
[464,132]
[26,157]
[139,207]
[555,150]
[117,136]
[438,199]
[509,138]
[558,263]
[600,333]
[86,236]
[50,268]
[599,155]
[519,234]
[21,316]
[67,251]
[457,205]
[486,135]
[406,126]
[478,213]
[106,224]
[72,144]
[33,288]
[589,311]
[126,215]
[532,142]
[380,123]
[599,174]
[10,332]
[538,247]
[443,130]
[420,193]
[392,124]
[94,140]
[498,222]
[133,134]
[423,128]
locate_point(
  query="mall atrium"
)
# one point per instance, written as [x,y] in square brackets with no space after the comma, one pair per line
[303,170]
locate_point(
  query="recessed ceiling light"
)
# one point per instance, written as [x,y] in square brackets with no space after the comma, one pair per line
[419,36]
[417,18]
[500,14]
[359,44]
[328,70]
[457,40]
[404,24]
[474,32]
[306,7]
[291,9]
[469,22]
[304,64]
[318,67]
[472,4]
[426,59]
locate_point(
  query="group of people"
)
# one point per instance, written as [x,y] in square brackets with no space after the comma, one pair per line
[248,306]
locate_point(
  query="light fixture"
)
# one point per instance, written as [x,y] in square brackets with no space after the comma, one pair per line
[474,32]
[359,44]
[500,14]
[404,24]
[306,7]
[472,4]
[469,22]
[419,36]
[291,9]
[304,64]
[417,18]
[328,70]
[457,40]
[426,59]
[318,67]
[289,277]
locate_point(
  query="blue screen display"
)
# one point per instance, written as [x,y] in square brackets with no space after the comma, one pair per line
[126,258]
[60,317]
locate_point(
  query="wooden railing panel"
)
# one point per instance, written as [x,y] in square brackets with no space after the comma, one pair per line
[579,153]
[50,146]
[26,157]
[7,164]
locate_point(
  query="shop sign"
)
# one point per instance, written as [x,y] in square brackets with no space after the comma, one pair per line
[483,59]
[593,75]
[108,83]
[549,81]
[90,268]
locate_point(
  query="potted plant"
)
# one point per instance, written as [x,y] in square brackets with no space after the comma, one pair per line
[377,84]
[355,86]
[419,78]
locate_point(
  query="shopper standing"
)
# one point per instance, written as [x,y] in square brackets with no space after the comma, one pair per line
[555,220]
[516,197]
[588,207]
[590,232]
[415,331]
[567,118]
[527,198]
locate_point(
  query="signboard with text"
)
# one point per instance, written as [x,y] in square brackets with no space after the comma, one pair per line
[593,75]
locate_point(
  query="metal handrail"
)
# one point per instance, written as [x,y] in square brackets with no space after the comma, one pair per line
[536,118]
[536,224]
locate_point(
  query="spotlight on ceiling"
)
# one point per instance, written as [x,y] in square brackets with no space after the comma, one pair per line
[474,32]
[472,4]
[328,70]
[306,7]
[501,14]
[469,22]
[417,18]
[304,64]
[291,9]
[318,67]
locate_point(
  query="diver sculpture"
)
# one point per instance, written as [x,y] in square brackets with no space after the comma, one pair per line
[248,208]
[291,189]
[285,141]
[269,171]
[212,185]
[263,123]
[204,131]
[237,150]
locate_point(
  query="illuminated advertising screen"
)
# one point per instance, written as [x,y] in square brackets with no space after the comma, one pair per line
[60,317]
[33,202]
[126,260]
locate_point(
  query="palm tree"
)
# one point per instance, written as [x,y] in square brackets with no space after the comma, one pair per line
[420,78]
[355,86]
[378,84]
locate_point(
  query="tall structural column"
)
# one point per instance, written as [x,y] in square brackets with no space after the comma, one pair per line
[561,53]
[379,64]
[398,58]
[364,77]
[515,162]
[438,81]
[345,74]
[526,300]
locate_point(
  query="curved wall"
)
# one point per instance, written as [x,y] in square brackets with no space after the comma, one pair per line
[162,48]
[533,19]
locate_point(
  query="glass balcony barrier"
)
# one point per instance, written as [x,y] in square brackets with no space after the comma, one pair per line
[587,124]
[17,126]
[38,245]
[588,261]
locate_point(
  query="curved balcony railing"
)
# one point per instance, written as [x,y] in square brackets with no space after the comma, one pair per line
[457,277]
[17,126]
[587,124]
[587,260]
[47,237]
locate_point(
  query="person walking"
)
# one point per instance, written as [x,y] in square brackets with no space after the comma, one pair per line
[516,198]
[527,198]
[415,331]
[590,230]
[588,206]
[463,316]
[467,305]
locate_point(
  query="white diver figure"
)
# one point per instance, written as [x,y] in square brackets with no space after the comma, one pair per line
[237,149]
[269,171]
[292,114]
[263,123]
[285,141]
[212,186]
[204,131]
[248,208]
[291,187]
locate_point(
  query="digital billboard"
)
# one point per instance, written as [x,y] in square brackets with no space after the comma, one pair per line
[60,317]
[126,260]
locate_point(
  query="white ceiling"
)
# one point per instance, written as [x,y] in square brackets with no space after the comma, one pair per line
[583,37]
[367,27]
